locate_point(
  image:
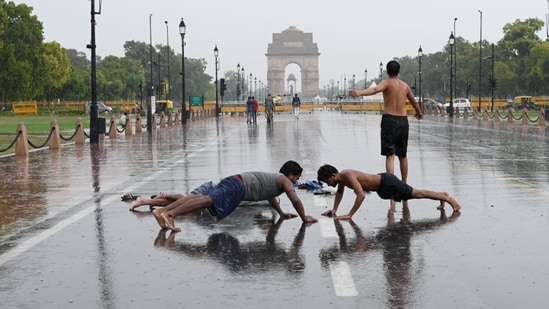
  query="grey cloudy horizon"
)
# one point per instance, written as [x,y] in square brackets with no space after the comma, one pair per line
[352,36]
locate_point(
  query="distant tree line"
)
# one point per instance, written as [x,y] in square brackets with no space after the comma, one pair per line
[31,69]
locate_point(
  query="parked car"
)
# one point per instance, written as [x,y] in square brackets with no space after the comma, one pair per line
[459,103]
[101,107]
[430,103]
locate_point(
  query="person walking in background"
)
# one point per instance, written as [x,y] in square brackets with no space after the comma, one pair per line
[249,110]
[269,108]
[255,108]
[296,103]
[394,122]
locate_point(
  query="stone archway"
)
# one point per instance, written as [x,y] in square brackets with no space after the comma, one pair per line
[293,46]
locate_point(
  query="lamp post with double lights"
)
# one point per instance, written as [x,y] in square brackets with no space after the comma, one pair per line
[420,55]
[492,82]
[151,85]
[94,114]
[455,59]
[216,55]
[250,86]
[182,30]
[380,71]
[480,63]
[242,85]
[451,41]
[167,94]
[238,82]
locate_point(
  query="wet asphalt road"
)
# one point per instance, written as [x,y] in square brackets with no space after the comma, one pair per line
[67,241]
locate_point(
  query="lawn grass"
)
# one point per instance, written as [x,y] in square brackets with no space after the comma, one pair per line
[39,124]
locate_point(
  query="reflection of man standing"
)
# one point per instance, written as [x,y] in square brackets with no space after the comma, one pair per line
[296,103]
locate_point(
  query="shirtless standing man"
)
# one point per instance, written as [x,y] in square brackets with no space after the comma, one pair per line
[394,122]
[386,185]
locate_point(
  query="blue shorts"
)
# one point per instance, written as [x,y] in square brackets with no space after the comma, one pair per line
[226,196]
[203,189]
[393,188]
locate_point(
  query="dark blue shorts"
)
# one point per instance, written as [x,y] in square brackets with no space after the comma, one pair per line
[226,196]
[392,188]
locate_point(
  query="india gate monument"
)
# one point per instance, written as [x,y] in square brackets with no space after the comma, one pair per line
[293,46]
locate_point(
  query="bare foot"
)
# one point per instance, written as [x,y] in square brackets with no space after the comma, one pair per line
[441,206]
[455,204]
[169,222]
[138,202]
[157,215]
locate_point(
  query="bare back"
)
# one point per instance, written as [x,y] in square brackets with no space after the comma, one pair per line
[395,94]
[355,179]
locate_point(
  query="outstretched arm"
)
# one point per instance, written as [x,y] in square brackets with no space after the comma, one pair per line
[353,183]
[288,187]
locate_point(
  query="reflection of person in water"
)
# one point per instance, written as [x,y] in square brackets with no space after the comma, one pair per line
[237,256]
[395,242]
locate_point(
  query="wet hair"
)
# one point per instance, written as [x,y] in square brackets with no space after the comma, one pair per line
[393,68]
[291,167]
[325,172]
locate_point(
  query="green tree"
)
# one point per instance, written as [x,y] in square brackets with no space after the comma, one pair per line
[56,68]
[21,55]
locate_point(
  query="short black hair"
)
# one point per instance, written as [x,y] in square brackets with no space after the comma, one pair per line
[291,167]
[393,68]
[325,172]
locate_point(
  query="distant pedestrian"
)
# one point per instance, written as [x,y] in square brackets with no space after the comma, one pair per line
[249,110]
[296,103]
[255,108]
[269,108]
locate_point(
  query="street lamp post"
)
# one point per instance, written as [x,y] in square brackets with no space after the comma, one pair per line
[94,117]
[216,54]
[255,87]
[451,41]
[242,78]
[491,77]
[250,86]
[480,63]
[420,55]
[353,81]
[182,30]
[151,86]
[167,94]
[365,78]
[238,82]
[380,71]
[455,59]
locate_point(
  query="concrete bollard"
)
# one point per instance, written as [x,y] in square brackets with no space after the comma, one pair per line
[162,120]
[55,139]
[128,130]
[21,145]
[138,126]
[113,128]
[510,115]
[80,136]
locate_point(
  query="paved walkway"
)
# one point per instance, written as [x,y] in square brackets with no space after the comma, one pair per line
[66,239]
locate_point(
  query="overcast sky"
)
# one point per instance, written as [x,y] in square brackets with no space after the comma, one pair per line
[351,35]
